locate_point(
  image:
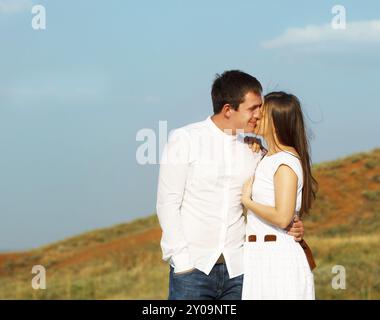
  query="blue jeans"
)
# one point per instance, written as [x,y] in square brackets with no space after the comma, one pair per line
[196,285]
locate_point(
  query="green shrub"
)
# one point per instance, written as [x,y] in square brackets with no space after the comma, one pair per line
[371,195]
[356,158]
[372,163]
[354,172]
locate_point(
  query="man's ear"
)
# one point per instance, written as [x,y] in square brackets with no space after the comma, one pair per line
[227,110]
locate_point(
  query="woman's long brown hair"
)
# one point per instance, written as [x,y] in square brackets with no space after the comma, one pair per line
[285,113]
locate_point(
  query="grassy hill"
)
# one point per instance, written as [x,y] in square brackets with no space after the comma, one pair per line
[124,262]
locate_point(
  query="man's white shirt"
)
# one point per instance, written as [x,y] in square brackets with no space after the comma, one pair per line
[202,173]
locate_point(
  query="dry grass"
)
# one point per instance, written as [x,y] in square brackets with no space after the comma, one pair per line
[124,262]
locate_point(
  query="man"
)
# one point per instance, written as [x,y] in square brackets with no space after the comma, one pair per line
[203,169]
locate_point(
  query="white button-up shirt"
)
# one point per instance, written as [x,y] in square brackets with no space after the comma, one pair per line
[202,172]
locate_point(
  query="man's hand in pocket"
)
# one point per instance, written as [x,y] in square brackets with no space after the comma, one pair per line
[184,272]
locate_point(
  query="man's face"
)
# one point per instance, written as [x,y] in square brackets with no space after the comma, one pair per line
[249,112]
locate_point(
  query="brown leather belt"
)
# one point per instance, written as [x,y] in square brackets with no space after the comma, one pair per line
[267,237]
[221,259]
[308,253]
[303,244]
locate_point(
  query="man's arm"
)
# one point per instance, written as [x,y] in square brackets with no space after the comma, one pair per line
[171,185]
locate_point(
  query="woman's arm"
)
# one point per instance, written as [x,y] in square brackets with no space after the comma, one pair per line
[285,185]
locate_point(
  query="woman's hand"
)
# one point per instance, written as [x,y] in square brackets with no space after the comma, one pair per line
[247,191]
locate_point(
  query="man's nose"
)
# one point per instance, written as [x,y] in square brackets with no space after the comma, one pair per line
[257,114]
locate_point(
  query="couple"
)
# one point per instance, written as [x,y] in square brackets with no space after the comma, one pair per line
[229,210]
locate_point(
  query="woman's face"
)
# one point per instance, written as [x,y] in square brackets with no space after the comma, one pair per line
[262,125]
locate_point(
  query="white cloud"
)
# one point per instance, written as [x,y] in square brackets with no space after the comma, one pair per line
[14,6]
[363,32]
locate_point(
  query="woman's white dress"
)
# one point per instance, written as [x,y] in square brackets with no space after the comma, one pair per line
[278,269]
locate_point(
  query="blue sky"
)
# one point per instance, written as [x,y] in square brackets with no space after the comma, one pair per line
[73,96]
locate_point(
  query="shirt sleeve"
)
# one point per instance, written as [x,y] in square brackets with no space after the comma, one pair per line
[173,174]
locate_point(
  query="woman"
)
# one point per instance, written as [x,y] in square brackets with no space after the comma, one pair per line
[275,264]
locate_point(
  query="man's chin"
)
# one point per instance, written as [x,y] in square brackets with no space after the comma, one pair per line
[250,129]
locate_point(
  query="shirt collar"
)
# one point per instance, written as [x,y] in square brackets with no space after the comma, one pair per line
[218,131]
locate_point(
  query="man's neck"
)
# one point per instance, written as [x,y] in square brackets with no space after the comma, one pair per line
[222,124]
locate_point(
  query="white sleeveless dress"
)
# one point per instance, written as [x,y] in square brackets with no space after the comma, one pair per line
[277,269]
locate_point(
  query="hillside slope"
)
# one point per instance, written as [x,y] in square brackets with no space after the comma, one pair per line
[124,262]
